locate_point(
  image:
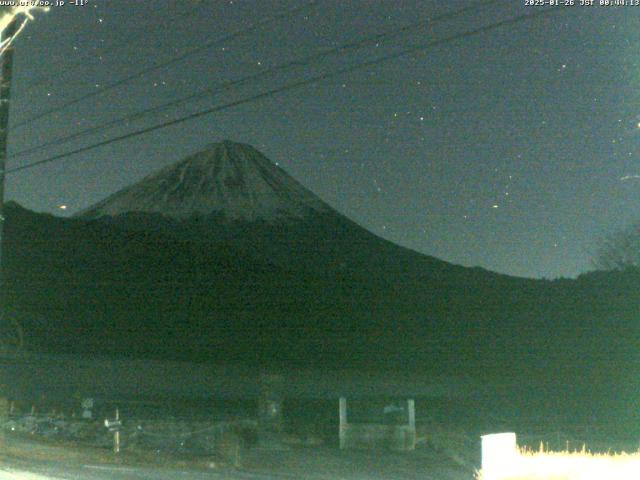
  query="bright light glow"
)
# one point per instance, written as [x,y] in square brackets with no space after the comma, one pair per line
[7,14]
[542,465]
[499,455]
[11,12]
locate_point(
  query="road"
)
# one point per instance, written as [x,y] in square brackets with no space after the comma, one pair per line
[22,470]
[102,472]
[24,459]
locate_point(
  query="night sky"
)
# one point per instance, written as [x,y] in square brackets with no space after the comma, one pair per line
[513,150]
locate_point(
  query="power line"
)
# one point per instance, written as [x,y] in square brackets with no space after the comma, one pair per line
[304,61]
[294,85]
[90,55]
[171,61]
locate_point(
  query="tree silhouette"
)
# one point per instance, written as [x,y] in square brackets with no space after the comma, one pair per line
[619,251]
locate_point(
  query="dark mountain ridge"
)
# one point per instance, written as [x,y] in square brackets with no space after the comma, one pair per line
[93,288]
[304,287]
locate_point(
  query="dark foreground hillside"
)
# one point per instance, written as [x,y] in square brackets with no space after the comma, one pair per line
[94,287]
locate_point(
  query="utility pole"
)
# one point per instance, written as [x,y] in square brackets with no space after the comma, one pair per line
[6,73]
[6,68]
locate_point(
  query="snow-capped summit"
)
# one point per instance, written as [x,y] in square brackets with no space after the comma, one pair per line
[229,179]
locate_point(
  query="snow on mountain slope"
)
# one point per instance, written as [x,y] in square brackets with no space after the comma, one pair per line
[229,179]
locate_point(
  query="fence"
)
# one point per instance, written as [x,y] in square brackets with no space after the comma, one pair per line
[366,435]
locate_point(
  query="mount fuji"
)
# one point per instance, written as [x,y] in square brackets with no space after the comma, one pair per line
[230,180]
[231,194]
